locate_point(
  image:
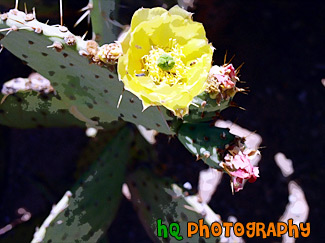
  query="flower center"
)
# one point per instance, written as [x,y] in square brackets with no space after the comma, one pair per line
[164,65]
[165,62]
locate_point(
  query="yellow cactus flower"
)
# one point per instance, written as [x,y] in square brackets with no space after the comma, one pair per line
[166,58]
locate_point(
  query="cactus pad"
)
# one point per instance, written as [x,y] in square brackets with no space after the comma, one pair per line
[205,141]
[154,198]
[31,110]
[89,90]
[205,109]
[93,203]
[103,14]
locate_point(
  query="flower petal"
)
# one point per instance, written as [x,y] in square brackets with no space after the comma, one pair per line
[155,31]
[176,10]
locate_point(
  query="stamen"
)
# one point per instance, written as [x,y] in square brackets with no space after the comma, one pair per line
[164,65]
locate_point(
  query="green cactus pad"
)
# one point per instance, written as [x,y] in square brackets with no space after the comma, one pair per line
[94,201]
[205,141]
[32,110]
[103,14]
[96,145]
[89,90]
[155,198]
[205,109]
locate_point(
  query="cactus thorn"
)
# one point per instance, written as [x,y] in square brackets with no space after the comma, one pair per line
[243,90]
[225,57]
[114,22]
[233,104]
[61,13]
[238,69]
[230,60]
[34,12]
[195,105]
[85,14]
[57,46]
[3,99]
[84,36]
[232,187]
[119,101]
[88,7]
[13,28]
[16,5]
[6,29]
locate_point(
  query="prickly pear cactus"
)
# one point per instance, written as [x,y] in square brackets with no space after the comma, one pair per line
[159,199]
[84,214]
[206,141]
[164,80]
[27,108]
[103,18]
[89,90]
[205,109]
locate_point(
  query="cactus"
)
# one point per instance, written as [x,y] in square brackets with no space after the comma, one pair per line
[158,198]
[89,90]
[205,109]
[83,89]
[31,109]
[206,141]
[85,213]
[103,17]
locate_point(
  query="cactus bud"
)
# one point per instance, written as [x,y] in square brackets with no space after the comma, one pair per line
[221,83]
[237,163]
[92,48]
[110,53]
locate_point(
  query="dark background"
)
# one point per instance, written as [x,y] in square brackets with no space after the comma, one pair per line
[282,45]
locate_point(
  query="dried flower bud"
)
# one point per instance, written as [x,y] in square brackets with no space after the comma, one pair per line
[237,163]
[110,53]
[92,48]
[221,82]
